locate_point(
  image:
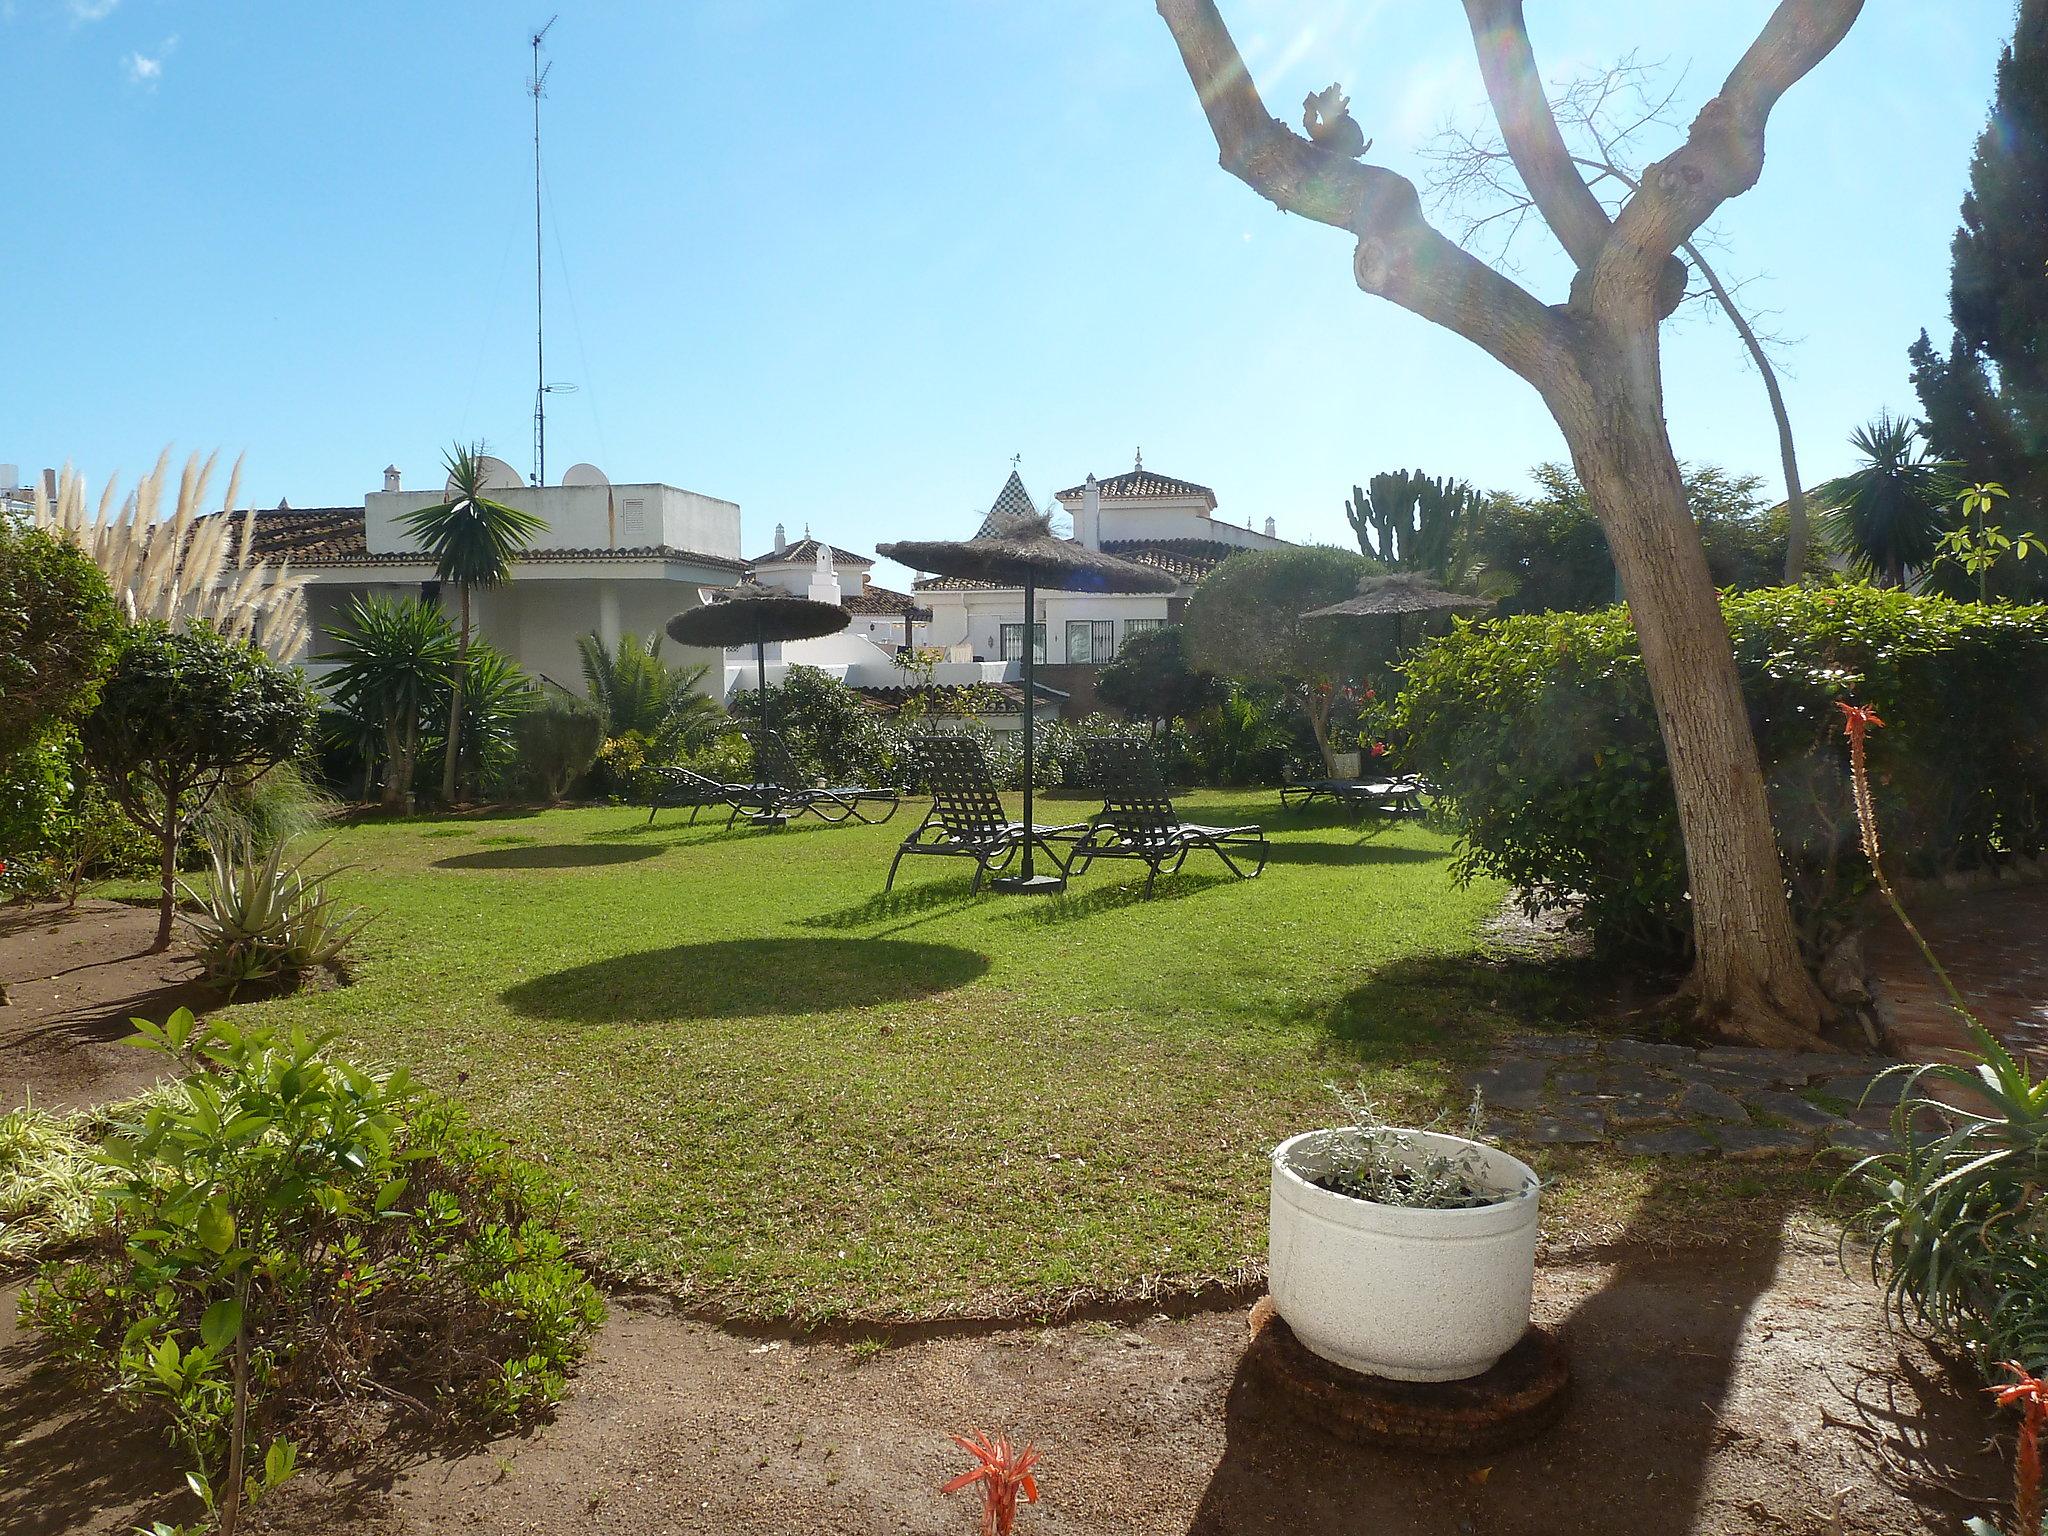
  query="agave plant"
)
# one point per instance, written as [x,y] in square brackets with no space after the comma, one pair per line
[263,916]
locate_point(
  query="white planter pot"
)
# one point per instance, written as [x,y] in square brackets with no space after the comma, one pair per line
[1410,1294]
[1345,764]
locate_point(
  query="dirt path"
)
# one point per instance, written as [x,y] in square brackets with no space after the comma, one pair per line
[1716,1393]
[75,977]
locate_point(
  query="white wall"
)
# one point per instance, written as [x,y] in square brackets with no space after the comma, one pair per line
[975,618]
[581,517]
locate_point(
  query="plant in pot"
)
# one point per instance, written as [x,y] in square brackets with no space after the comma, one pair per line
[1402,1253]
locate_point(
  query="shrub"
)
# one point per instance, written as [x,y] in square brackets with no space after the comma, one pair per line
[273,807]
[59,829]
[178,715]
[50,1182]
[557,740]
[58,625]
[1152,679]
[1539,732]
[292,1246]
[1246,739]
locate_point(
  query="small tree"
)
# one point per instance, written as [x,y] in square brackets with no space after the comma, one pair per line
[473,541]
[58,626]
[1887,516]
[178,715]
[1152,679]
[635,690]
[558,739]
[394,657]
[1244,621]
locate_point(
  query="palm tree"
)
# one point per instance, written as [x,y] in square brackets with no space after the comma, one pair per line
[393,659]
[635,691]
[1888,516]
[473,541]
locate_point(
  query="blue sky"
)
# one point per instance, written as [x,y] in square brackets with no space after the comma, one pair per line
[839,262]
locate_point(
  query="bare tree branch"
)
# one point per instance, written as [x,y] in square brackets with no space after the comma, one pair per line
[1508,66]
[1724,151]
[1400,255]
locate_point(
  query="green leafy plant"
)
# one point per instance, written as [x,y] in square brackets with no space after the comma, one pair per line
[1887,516]
[260,915]
[1540,733]
[638,693]
[474,541]
[1977,547]
[558,738]
[293,1244]
[50,1182]
[179,715]
[392,659]
[58,624]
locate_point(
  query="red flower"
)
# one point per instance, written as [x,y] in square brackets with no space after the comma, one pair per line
[1379,749]
[1856,720]
[2030,1394]
[1002,1473]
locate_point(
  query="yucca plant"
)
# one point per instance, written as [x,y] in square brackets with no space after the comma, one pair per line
[263,916]
[190,567]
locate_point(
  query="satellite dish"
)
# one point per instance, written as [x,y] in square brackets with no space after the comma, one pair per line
[585,474]
[497,475]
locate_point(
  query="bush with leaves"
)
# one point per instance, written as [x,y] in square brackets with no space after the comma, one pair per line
[293,1247]
[1152,679]
[1539,733]
[58,626]
[639,694]
[557,740]
[496,691]
[1249,738]
[179,715]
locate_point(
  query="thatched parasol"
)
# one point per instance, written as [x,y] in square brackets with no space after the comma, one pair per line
[1396,595]
[754,616]
[1018,550]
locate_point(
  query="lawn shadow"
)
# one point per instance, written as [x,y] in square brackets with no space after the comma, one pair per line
[1452,1007]
[746,978]
[1071,906]
[918,903]
[1366,851]
[548,856]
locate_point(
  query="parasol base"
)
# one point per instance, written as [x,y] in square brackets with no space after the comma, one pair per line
[1029,885]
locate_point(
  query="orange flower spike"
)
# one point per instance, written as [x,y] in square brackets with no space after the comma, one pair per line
[1002,1473]
[2030,1394]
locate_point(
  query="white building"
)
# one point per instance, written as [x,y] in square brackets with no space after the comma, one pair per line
[864,655]
[1143,516]
[616,559]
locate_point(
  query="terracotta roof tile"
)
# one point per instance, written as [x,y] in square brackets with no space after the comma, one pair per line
[1186,560]
[881,600]
[1140,482]
[805,551]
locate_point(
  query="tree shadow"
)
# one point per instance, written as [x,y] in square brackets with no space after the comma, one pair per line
[747,978]
[548,856]
[1654,1354]
[72,1460]
[1449,1007]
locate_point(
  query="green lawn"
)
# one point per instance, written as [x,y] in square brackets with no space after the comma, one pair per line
[782,1093]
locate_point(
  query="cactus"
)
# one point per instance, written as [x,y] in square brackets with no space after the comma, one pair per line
[1411,522]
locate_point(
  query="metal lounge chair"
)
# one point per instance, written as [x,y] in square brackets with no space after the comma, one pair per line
[1398,794]
[674,788]
[779,792]
[1138,821]
[967,819]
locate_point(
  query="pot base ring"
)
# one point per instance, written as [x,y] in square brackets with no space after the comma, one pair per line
[1521,1396]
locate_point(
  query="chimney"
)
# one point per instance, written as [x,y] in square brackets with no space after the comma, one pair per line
[390,477]
[1088,526]
[1272,529]
[781,539]
[824,586]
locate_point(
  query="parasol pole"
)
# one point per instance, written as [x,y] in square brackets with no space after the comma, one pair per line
[761,682]
[1030,713]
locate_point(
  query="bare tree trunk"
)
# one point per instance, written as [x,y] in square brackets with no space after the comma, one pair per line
[167,904]
[461,677]
[1751,980]
[1795,494]
[397,766]
[1318,712]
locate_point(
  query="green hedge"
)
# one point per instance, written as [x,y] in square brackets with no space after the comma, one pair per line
[1539,731]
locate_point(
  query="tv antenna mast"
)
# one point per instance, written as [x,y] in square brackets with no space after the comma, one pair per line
[536,85]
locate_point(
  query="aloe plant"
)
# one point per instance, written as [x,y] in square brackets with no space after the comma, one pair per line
[263,916]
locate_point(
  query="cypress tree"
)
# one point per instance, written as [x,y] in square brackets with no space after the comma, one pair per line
[1986,401]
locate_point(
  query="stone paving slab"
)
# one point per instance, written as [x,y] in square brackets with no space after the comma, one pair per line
[1654,1099]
